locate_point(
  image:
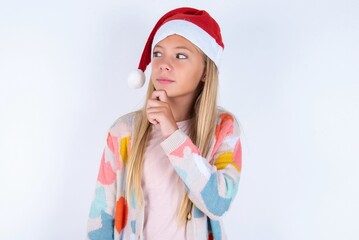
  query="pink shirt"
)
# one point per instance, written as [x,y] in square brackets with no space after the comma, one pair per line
[162,190]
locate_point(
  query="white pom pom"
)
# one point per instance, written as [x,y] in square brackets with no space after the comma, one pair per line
[136,79]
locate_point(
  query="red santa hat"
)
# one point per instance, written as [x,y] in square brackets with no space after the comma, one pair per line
[195,25]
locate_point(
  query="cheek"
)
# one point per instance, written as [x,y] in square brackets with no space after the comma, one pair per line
[154,71]
[153,66]
[153,82]
[198,72]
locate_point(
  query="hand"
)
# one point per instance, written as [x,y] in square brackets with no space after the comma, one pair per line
[159,112]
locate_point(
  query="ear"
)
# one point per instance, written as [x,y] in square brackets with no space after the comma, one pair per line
[203,79]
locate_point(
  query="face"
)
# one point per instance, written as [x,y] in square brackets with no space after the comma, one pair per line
[177,67]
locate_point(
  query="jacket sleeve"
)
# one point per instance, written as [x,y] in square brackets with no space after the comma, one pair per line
[101,218]
[211,183]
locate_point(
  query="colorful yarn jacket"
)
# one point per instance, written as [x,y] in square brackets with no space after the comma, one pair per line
[211,181]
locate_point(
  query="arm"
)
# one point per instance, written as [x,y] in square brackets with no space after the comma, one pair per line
[105,207]
[210,187]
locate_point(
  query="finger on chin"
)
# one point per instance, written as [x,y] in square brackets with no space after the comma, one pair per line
[152,103]
[153,121]
[155,104]
[160,95]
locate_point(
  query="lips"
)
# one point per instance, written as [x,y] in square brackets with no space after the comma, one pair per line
[164,81]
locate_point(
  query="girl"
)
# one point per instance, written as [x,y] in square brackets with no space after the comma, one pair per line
[171,169]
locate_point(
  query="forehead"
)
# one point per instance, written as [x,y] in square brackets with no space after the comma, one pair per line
[174,39]
[177,41]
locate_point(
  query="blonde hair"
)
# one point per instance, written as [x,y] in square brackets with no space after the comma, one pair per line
[204,115]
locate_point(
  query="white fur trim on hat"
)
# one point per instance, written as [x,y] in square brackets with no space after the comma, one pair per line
[194,34]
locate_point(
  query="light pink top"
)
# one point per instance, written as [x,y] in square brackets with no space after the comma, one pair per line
[162,190]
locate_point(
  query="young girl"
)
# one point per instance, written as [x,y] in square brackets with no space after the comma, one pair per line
[171,169]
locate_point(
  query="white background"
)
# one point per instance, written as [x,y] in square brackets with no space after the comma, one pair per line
[290,75]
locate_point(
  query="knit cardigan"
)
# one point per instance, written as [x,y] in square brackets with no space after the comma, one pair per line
[211,181]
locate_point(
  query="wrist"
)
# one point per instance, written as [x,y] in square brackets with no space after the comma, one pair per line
[170,131]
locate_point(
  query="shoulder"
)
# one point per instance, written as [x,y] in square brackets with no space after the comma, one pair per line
[226,121]
[123,126]
[224,115]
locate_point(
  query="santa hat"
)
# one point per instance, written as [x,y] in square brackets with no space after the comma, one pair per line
[195,25]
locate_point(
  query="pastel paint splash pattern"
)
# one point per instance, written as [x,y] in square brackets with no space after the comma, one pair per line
[106,230]
[121,214]
[211,183]
[184,146]
[214,202]
[113,145]
[99,203]
[106,174]
[124,149]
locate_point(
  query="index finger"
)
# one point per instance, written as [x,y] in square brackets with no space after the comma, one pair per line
[160,95]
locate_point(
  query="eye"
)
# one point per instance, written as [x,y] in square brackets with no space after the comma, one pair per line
[181,56]
[157,54]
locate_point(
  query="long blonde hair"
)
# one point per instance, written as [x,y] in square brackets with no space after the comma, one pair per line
[204,115]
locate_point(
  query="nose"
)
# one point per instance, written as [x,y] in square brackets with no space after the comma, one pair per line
[165,65]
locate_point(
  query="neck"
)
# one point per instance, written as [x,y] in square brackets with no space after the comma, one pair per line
[181,108]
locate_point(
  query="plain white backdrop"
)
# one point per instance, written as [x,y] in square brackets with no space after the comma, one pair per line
[289,74]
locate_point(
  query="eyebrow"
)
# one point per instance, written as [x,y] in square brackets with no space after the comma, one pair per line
[178,47]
